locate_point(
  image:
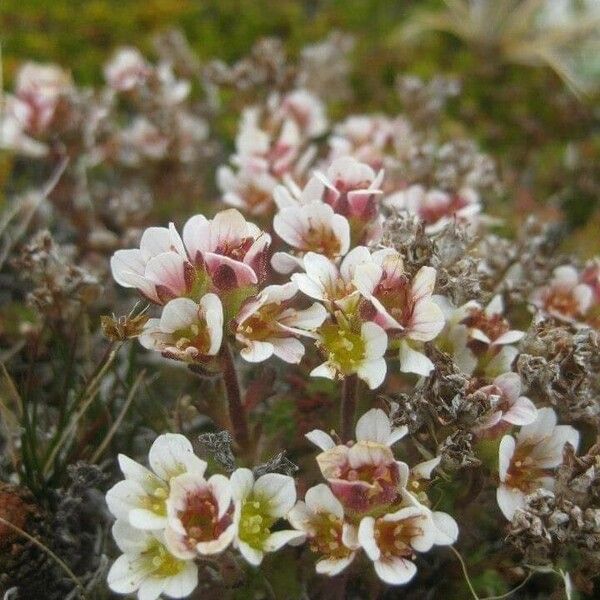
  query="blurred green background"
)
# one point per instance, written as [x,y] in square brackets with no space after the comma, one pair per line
[546,139]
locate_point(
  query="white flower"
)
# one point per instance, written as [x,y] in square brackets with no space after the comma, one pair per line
[364,475]
[350,352]
[321,518]
[186,331]
[435,207]
[147,567]
[390,542]
[310,228]
[324,281]
[200,515]
[250,191]
[306,110]
[126,70]
[476,335]
[141,498]
[12,134]
[142,139]
[527,463]
[268,324]
[565,297]
[258,506]
[507,402]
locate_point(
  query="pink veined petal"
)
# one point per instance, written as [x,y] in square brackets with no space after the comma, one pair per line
[196,236]
[155,241]
[285,263]
[510,384]
[426,322]
[228,226]
[522,412]
[423,283]
[244,274]
[124,262]
[168,269]
[505,454]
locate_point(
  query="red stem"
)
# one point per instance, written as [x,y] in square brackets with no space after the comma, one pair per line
[237,412]
[348,408]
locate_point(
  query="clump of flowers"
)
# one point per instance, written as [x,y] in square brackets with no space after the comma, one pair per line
[347,287]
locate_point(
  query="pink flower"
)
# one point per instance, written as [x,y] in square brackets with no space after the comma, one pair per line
[565,297]
[39,89]
[126,70]
[251,192]
[232,249]
[268,324]
[527,463]
[159,269]
[401,305]
[186,331]
[509,406]
[591,277]
[200,515]
[352,188]
[310,228]
[363,475]
[306,110]
[435,207]
[228,248]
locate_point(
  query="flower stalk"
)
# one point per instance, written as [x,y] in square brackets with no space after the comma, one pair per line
[237,412]
[348,408]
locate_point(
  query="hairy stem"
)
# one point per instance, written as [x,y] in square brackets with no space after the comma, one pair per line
[237,412]
[348,408]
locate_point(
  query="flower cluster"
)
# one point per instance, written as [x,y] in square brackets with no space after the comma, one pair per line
[372,502]
[171,514]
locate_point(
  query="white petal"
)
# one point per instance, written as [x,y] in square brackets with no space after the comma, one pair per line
[366,277]
[309,318]
[125,576]
[506,451]
[279,539]
[424,469]
[124,262]
[227,226]
[447,528]
[372,372]
[123,497]
[375,339]
[129,539]
[426,322]
[142,518]
[300,517]
[252,555]
[179,313]
[136,472]
[352,260]
[395,571]
[155,241]
[289,349]
[366,538]
[510,337]
[509,500]
[510,384]
[320,439]
[374,426]
[182,584]
[324,370]
[196,236]
[151,588]
[542,427]
[218,545]
[320,499]
[522,412]
[242,482]
[279,490]
[257,351]
[333,566]
[412,361]
[172,454]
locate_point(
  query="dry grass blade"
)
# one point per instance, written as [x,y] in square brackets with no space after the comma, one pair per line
[115,426]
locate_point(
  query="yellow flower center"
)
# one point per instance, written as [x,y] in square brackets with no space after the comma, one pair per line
[255,522]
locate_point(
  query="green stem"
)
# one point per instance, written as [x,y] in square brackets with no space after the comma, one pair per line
[237,412]
[348,408]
